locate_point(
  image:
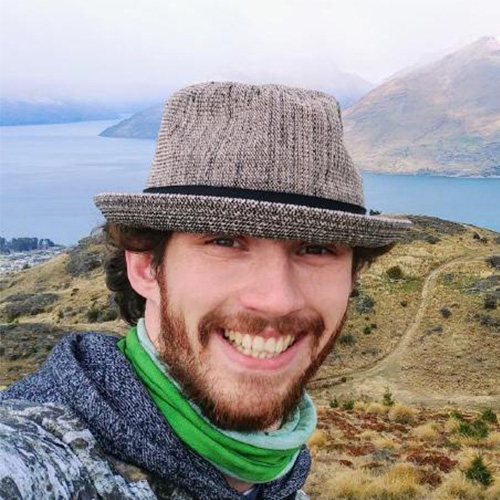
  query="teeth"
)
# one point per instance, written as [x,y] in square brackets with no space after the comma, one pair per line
[279,345]
[270,345]
[247,341]
[257,346]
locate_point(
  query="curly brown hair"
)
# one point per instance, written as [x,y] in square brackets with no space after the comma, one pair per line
[119,238]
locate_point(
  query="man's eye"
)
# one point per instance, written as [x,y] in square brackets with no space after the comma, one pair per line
[316,250]
[225,242]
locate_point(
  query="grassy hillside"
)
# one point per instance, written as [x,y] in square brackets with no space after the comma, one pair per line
[408,399]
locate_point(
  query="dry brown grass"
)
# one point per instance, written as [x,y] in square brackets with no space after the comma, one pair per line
[369,455]
[452,425]
[402,414]
[429,431]
[377,409]
[456,486]
[317,440]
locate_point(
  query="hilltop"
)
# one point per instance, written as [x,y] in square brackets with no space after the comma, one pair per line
[441,119]
[408,400]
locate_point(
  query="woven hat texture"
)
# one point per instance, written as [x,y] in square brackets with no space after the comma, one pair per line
[262,160]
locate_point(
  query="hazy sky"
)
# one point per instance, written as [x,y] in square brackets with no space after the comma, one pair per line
[127,48]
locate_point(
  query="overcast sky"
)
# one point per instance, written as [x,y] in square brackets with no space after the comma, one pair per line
[136,48]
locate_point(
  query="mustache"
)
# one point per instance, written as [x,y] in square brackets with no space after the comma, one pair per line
[294,325]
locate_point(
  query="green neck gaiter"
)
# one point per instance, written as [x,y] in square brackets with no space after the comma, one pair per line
[261,463]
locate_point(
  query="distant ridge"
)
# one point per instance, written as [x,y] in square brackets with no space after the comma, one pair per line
[439,119]
[347,88]
[141,125]
[46,111]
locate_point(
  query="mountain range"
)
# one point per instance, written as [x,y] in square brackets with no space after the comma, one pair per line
[442,118]
[41,111]
[347,87]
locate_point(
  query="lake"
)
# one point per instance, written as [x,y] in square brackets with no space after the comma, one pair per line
[49,174]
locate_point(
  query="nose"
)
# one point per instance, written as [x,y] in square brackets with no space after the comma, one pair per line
[273,289]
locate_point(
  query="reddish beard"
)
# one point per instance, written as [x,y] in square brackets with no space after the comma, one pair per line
[192,373]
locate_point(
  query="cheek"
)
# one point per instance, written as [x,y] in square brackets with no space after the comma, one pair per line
[194,291]
[328,294]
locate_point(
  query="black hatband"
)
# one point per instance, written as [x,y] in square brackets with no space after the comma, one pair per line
[259,195]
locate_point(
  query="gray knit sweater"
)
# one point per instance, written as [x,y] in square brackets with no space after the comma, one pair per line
[84,427]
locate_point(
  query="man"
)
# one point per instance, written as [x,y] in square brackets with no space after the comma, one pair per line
[234,267]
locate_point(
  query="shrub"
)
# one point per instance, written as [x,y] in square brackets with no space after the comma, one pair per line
[347,339]
[395,273]
[445,312]
[348,405]
[387,398]
[477,429]
[457,415]
[479,472]
[334,403]
[489,415]
[24,304]
[494,261]
[404,303]
[490,302]
[109,315]
[364,303]
[367,330]
[93,314]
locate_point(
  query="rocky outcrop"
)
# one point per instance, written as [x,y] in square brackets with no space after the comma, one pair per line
[86,256]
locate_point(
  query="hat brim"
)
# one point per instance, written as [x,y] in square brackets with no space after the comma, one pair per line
[262,219]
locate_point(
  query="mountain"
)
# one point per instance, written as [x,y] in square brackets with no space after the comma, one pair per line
[440,119]
[346,87]
[141,125]
[44,111]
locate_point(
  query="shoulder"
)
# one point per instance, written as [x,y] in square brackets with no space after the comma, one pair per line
[47,452]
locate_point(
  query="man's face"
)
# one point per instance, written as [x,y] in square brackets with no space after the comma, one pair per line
[246,322]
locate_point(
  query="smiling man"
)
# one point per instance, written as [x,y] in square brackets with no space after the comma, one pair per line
[234,269]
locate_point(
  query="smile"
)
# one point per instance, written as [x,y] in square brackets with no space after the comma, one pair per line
[257,346]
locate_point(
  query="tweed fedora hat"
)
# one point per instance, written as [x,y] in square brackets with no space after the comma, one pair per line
[260,160]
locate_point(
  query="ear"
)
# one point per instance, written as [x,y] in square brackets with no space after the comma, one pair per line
[141,274]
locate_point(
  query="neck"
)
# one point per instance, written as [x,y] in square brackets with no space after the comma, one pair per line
[239,486]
